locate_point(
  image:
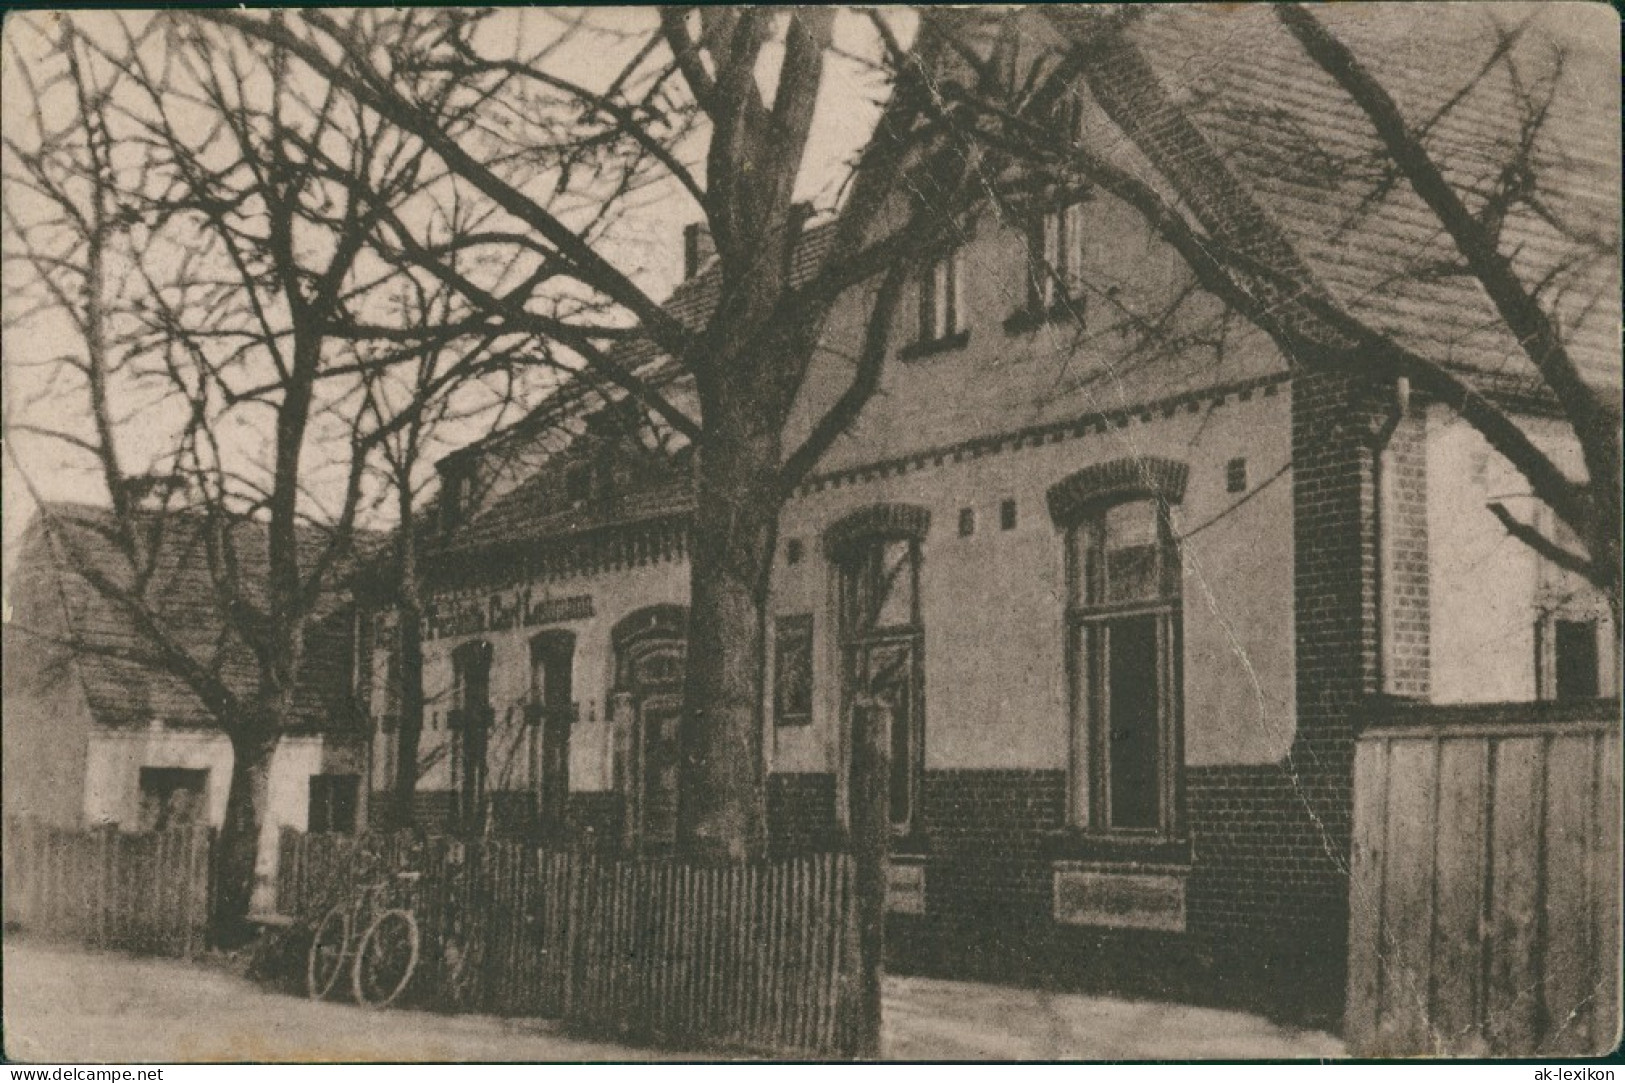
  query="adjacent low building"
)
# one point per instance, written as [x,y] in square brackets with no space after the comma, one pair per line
[97,735]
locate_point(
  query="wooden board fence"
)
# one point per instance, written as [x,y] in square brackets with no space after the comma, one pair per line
[138,892]
[751,957]
[1484,906]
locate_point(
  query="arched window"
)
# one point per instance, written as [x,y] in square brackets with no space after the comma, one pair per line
[1124,645]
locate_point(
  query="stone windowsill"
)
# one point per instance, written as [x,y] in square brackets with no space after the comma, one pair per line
[1027,318]
[1125,851]
[927,347]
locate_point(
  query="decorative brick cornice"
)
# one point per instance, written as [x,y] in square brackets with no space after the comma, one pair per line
[1079,427]
[562,556]
[1104,483]
[667,621]
[877,521]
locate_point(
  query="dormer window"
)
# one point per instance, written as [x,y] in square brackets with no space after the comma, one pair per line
[939,298]
[939,307]
[1055,250]
[456,495]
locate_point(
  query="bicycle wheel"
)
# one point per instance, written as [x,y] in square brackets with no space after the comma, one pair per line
[386,958]
[326,960]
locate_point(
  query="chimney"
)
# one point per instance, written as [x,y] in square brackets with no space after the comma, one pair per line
[152,492]
[697,248]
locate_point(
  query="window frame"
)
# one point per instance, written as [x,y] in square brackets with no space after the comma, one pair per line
[857,558]
[1055,259]
[156,787]
[471,725]
[932,335]
[940,302]
[326,784]
[788,629]
[1548,662]
[1088,633]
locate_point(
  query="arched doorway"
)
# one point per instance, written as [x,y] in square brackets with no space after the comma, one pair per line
[650,649]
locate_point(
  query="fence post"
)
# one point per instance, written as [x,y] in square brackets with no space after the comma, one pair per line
[871,831]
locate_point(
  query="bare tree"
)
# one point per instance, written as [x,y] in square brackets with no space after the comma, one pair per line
[194,217]
[1474,188]
[717,106]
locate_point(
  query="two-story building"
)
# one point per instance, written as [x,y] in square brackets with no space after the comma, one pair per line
[1122,575]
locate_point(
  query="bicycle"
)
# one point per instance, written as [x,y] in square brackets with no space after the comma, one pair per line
[384,955]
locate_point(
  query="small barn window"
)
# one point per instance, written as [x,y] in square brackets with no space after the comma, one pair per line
[1007,515]
[1568,661]
[578,484]
[172,797]
[967,522]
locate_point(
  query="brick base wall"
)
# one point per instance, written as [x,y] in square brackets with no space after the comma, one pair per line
[801,814]
[1265,906]
[595,821]
[989,835]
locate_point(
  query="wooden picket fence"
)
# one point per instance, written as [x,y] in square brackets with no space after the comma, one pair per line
[757,957]
[144,892]
[1485,889]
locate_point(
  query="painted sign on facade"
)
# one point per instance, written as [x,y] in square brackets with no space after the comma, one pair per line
[500,612]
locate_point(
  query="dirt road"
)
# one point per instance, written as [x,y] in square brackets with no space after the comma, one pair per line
[65,1005]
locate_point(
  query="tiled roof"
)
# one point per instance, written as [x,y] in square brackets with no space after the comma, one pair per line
[1311,158]
[1308,155]
[528,512]
[48,592]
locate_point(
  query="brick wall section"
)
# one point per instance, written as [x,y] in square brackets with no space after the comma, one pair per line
[1406,624]
[1261,880]
[801,814]
[990,835]
[1335,610]
[595,821]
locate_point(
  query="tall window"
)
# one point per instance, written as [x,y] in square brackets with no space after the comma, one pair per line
[1124,626]
[550,712]
[471,719]
[1055,249]
[881,635]
[939,307]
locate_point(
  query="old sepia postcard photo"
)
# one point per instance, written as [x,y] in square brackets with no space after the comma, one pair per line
[1066,532]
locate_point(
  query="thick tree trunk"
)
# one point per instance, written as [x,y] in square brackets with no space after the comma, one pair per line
[722,805]
[239,848]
